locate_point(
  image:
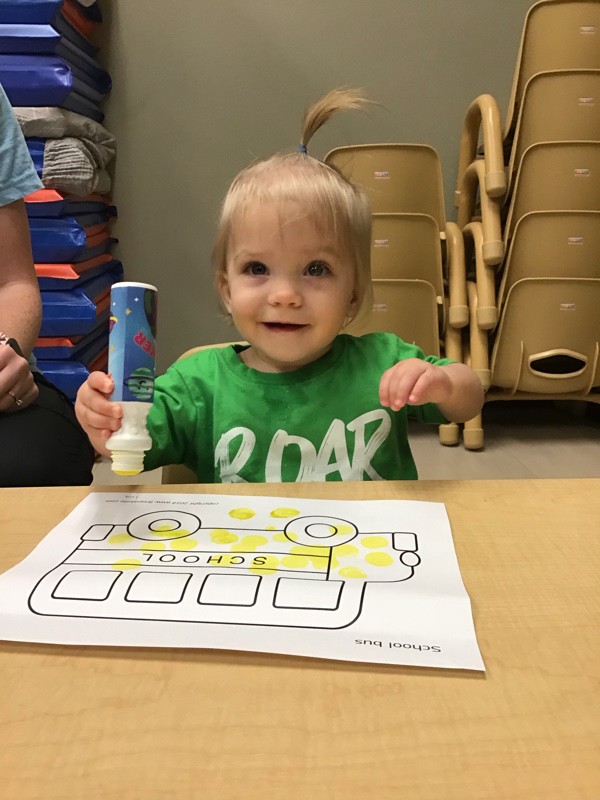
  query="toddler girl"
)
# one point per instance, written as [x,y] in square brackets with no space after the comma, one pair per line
[301,401]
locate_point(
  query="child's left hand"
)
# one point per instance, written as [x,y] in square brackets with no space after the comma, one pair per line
[415,382]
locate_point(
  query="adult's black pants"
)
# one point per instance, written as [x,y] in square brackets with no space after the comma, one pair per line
[44,444]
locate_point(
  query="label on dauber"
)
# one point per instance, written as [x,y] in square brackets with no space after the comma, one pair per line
[132,341]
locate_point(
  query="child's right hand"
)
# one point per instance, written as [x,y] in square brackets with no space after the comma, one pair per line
[97,414]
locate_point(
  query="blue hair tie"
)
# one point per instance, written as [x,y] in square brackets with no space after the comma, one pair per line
[302,148]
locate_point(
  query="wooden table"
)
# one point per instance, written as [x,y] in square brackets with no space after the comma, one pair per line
[94,723]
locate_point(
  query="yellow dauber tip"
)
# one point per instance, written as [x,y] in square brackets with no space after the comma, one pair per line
[127,471]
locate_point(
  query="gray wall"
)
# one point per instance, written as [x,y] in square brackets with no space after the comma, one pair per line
[201,89]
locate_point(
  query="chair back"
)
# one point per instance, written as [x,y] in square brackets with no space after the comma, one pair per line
[407,246]
[553,244]
[555,176]
[408,308]
[401,178]
[557,34]
[548,339]
[558,106]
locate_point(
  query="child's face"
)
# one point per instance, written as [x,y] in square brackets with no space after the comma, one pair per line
[288,287]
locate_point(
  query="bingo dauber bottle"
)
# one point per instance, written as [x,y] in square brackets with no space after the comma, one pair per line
[131,362]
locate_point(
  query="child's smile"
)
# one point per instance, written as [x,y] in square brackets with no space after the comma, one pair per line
[288,287]
[283,326]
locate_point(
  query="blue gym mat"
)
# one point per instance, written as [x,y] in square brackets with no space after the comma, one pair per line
[77,312]
[46,80]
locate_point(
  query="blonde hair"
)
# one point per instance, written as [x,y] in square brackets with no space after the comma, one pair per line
[330,200]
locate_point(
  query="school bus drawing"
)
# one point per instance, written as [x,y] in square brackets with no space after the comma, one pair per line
[309,571]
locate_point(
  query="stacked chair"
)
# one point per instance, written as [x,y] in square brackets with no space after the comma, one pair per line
[55,85]
[528,199]
[417,257]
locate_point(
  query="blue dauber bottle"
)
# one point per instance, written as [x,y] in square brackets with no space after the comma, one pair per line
[131,363]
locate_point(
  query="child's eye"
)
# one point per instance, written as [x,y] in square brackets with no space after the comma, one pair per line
[255,268]
[317,269]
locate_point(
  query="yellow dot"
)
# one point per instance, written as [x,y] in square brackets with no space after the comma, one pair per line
[374,541]
[282,513]
[127,563]
[311,552]
[342,530]
[249,543]
[279,537]
[169,533]
[241,513]
[352,572]
[221,536]
[294,562]
[121,538]
[346,550]
[183,544]
[262,571]
[270,528]
[270,565]
[379,559]
[318,556]
[153,546]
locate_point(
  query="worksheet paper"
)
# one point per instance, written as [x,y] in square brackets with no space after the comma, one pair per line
[357,580]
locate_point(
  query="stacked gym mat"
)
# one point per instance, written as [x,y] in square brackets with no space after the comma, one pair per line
[56,87]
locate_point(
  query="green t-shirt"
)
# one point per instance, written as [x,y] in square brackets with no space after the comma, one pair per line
[324,422]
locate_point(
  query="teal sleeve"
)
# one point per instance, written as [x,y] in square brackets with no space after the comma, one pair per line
[18,177]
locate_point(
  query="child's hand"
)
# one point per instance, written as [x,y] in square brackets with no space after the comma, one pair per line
[416,382]
[99,417]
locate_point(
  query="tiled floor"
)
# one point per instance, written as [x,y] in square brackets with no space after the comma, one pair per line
[522,440]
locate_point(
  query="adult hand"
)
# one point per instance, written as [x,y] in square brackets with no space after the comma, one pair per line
[17,387]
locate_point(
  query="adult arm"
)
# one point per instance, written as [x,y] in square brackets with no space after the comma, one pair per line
[20,303]
[20,308]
